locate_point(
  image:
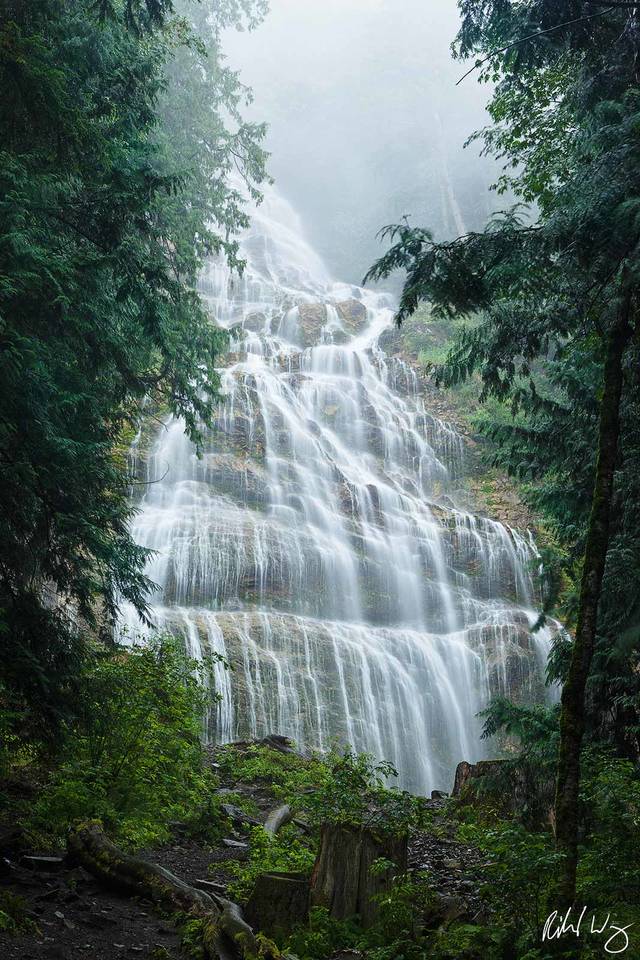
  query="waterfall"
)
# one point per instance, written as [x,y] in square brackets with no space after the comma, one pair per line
[319,544]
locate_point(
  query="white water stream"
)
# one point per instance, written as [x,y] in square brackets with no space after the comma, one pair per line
[317,544]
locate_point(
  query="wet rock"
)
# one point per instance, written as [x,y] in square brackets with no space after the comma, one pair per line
[235,844]
[238,816]
[452,907]
[68,924]
[390,340]
[311,318]
[254,322]
[277,742]
[353,314]
[54,951]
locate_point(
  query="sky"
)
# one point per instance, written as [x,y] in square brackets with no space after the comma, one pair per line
[366,123]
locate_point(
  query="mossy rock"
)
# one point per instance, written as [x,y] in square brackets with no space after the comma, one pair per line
[311,319]
[353,314]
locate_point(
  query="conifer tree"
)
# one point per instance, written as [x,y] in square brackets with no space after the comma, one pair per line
[120,126]
[559,280]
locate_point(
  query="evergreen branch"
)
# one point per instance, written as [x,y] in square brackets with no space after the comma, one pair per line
[533,36]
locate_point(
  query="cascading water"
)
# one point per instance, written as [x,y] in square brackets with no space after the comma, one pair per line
[317,544]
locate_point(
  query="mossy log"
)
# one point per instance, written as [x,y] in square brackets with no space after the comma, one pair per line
[225,932]
[343,881]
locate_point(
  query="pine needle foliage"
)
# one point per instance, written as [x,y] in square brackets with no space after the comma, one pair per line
[111,194]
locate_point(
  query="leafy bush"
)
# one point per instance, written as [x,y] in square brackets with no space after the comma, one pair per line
[285,774]
[283,853]
[354,791]
[609,870]
[520,868]
[322,936]
[398,933]
[405,912]
[134,757]
[345,788]
[470,941]
[15,916]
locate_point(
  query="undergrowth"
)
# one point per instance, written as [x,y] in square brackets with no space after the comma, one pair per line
[132,756]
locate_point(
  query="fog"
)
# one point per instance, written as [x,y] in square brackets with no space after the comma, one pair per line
[366,123]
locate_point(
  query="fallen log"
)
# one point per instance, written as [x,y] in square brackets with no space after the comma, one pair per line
[278,818]
[225,933]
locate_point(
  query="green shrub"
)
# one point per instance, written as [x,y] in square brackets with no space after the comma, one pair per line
[609,868]
[322,936]
[517,876]
[287,775]
[354,791]
[283,853]
[14,914]
[470,941]
[134,758]
[398,933]
[338,787]
[405,913]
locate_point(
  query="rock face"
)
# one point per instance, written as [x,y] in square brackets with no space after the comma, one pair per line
[319,545]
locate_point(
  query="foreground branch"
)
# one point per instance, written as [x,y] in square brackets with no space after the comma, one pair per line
[533,36]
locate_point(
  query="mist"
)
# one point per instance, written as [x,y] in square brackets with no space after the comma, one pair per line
[366,123]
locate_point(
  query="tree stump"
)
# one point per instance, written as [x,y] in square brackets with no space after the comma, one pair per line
[508,788]
[342,879]
[278,902]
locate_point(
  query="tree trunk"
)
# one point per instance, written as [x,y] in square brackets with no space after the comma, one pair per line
[572,715]
[342,879]
[225,932]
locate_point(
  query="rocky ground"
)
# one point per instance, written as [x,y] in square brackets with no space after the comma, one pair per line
[70,915]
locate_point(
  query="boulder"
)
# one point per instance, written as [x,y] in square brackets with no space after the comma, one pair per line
[311,319]
[353,314]
[277,742]
[254,322]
